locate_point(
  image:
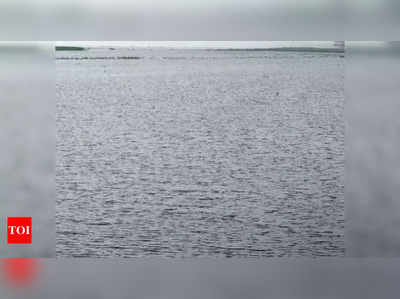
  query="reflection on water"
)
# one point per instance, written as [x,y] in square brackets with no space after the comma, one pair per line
[200,153]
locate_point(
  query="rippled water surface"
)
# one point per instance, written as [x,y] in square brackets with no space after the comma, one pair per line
[200,153]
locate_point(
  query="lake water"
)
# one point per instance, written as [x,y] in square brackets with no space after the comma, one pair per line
[184,153]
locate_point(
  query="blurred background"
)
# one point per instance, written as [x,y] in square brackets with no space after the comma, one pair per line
[27,152]
[161,278]
[199,20]
[27,139]
[372,170]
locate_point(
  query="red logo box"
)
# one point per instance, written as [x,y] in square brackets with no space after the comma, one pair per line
[19,230]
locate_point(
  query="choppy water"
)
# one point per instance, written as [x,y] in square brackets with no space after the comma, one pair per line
[200,153]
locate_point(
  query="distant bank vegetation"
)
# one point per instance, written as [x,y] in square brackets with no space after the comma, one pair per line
[99,58]
[69,48]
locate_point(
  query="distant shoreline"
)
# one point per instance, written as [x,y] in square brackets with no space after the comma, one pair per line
[289,49]
[69,48]
[280,49]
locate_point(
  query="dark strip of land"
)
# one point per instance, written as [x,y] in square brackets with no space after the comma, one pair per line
[98,58]
[69,48]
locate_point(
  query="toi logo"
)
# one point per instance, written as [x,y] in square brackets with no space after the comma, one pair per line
[19,230]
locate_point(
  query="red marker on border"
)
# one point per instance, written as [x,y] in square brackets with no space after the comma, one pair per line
[20,272]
